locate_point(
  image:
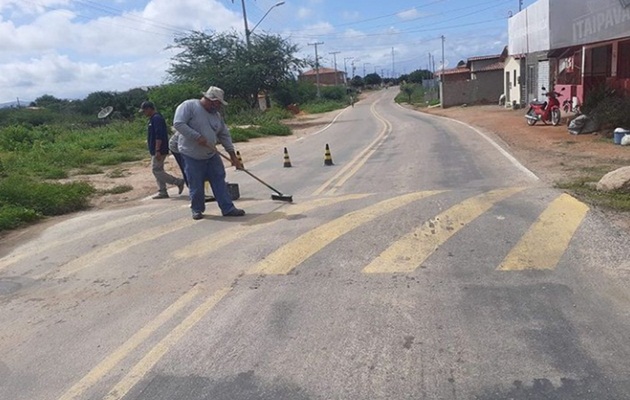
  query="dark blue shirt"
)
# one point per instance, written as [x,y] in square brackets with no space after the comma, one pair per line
[157,130]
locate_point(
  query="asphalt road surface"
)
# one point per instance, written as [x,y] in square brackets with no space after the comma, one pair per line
[426,263]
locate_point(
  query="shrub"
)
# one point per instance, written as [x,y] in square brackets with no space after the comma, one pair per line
[45,198]
[12,217]
[333,93]
[609,108]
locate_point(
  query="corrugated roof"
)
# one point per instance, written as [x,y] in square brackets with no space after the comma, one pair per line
[492,67]
[479,58]
[322,71]
[454,71]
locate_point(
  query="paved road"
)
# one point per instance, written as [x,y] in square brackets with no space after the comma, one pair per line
[426,263]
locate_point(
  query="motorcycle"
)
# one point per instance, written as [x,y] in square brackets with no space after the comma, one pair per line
[545,111]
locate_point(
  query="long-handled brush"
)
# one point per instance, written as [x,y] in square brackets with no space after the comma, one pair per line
[277,196]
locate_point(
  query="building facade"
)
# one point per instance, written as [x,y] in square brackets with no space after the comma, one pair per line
[573,45]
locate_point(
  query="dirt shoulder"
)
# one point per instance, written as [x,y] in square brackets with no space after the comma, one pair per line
[551,152]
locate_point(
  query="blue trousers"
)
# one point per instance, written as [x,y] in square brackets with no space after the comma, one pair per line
[199,171]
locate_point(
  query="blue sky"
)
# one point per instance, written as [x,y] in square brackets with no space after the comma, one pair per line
[70,48]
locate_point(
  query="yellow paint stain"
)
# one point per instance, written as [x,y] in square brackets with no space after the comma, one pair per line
[286,258]
[152,357]
[545,242]
[409,252]
[105,366]
[216,241]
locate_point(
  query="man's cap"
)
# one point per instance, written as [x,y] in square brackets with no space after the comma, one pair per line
[145,105]
[215,93]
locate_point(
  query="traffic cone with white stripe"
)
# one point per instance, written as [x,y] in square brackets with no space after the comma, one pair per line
[287,160]
[327,157]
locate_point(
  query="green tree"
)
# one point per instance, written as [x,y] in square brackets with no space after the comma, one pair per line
[357,82]
[419,75]
[225,60]
[373,79]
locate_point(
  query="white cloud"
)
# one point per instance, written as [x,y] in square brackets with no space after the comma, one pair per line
[408,14]
[51,50]
[304,13]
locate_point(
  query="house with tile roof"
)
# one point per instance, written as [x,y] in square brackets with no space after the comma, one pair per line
[479,81]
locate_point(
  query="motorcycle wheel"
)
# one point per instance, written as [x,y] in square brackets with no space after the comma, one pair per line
[555,117]
[531,121]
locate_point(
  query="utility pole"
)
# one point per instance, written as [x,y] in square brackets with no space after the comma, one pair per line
[443,39]
[345,66]
[316,65]
[334,53]
[247,33]
[392,61]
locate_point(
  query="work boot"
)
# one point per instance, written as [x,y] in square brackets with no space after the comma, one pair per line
[180,187]
[236,212]
[196,215]
[160,196]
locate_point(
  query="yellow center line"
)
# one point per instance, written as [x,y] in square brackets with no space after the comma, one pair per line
[409,252]
[98,372]
[152,357]
[546,241]
[360,158]
[220,239]
[283,260]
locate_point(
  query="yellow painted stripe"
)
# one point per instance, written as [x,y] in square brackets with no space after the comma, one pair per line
[98,372]
[545,242]
[361,156]
[283,260]
[116,247]
[408,253]
[208,244]
[39,247]
[139,370]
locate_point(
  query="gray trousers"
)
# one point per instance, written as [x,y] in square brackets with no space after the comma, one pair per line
[162,177]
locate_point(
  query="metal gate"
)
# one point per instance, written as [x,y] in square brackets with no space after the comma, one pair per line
[543,79]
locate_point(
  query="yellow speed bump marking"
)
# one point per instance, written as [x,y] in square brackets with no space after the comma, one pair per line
[545,242]
[118,246]
[77,235]
[409,252]
[283,260]
[207,245]
[148,361]
[98,372]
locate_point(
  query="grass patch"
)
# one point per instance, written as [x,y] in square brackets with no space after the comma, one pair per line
[12,217]
[322,106]
[117,189]
[116,173]
[90,170]
[583,189]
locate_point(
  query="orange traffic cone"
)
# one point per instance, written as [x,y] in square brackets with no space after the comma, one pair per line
[287,160]
[327,157]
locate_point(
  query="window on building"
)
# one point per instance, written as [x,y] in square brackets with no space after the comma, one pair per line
[601,61]
[515,81]
[623,60]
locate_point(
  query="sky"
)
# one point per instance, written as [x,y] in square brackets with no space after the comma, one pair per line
[71,48]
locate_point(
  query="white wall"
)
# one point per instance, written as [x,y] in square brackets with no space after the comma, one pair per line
[583,22]
[512,65]
[528,30]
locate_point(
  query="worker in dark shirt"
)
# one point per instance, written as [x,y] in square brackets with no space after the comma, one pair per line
[157,140]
